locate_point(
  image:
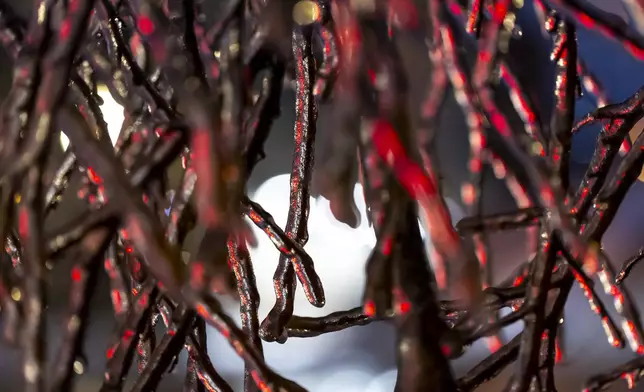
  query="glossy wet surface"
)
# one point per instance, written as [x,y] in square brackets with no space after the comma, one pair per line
[361,359]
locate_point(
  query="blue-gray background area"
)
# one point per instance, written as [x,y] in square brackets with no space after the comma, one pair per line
[363,358]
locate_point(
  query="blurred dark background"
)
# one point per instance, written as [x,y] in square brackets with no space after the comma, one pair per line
[362,359]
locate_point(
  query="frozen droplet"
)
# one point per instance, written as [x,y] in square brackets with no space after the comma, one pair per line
[79,365]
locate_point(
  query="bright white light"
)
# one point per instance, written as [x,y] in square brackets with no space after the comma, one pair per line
[339,252]
[112,114]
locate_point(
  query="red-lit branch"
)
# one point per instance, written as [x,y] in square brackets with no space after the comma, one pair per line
[207,89]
